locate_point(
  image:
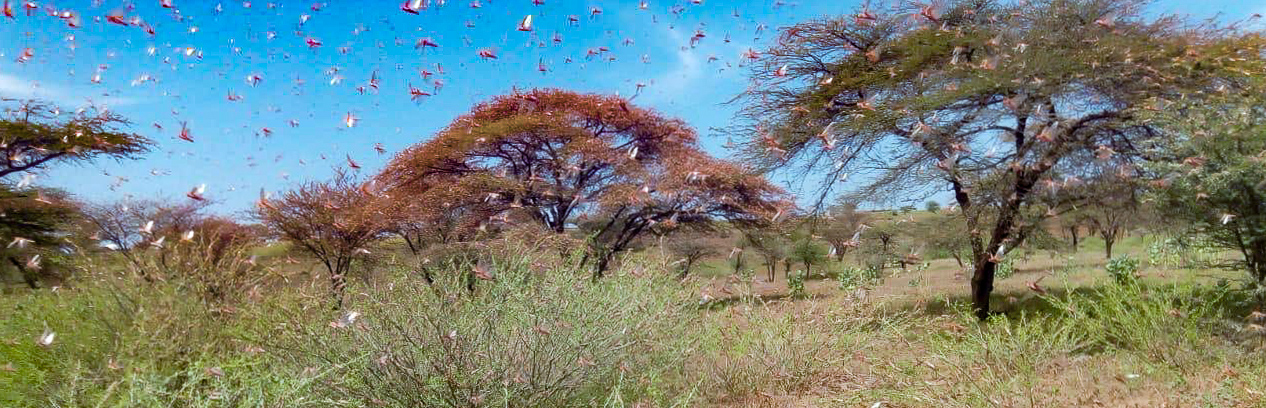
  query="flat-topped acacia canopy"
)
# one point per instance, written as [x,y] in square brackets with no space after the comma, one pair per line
[558,155]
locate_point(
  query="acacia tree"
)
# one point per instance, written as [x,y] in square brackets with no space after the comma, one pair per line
[806,250]
[881,244]
[771,243]
[1112,209]
[421,225]
[1214,177]
[987,98]
[34,134]
[737,253]
[687,189]
[943,234]
[689,247]
[841,228]
[332,220]
[1072,222]
[558,156]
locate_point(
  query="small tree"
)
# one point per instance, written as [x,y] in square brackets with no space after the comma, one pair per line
[1072,222]
[986,98]
[1113,209]
[34,135]
[737,254]
[880,245]
[808,251]
[689,247]
[840,227]
[943,235]
[772,246]
[932,206]
[333,221]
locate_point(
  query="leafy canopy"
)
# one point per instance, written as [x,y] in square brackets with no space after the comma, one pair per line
[560,157]
[1214,175]
[995,100]
[33,134]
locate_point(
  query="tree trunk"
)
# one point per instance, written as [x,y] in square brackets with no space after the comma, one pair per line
[1107,246]
[685,270]
[30,278]
[1072,231]
[337,284]
[1257,263]
[982,287]
[807,270]
[413,248]
[604,262]
[1255,257]
[958,258]
[426,275]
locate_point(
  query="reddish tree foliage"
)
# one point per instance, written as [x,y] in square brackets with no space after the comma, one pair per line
[558,156]
[215,254]
[434,217]
[218,235]
[332,220]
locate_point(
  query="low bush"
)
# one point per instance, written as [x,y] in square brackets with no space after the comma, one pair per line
[1123,269]
[850,278]
[529,336]
[795,283]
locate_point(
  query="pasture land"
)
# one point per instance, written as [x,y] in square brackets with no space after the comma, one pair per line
[543,334]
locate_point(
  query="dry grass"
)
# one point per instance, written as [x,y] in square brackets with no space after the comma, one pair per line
[642,339]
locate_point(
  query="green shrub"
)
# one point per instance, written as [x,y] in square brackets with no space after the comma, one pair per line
[850,278]
[1169,324]
[1169,329]
[1005,269]
[795,283]
[531,337]
[778,352]
[1123,269]
[873,275]
[1182,252]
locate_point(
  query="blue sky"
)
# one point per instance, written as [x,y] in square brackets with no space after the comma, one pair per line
[361,39]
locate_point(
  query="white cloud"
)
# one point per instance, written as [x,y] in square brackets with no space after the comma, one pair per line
[692,70]
[688,70]
[18,88]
